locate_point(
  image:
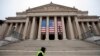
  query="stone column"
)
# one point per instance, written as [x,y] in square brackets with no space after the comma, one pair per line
[63,28]
[78,27]
[98,24]
[25,28]
[3,30]
[20,28]
[71,28]
[32,33]
[56,33]
[9,29]
[16,25]
[88,25]
[95,28]
[47,28]
[39,30]
[84,29]
[0,29]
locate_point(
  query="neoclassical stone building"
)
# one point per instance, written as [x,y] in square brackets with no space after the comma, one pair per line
[51,22]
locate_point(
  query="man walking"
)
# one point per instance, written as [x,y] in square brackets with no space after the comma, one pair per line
[41,52]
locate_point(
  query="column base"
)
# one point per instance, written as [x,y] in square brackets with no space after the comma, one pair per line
[31,39]
[38,39]
[46,39]
[73,39]
[64,39]
[55,39]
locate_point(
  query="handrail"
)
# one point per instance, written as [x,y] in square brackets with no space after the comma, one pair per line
[90,34]
[14,34]
[87,34]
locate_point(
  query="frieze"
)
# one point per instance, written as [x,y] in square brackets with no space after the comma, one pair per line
[51,7]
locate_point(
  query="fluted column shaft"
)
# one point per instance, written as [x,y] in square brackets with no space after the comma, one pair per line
[98,27]
[63,27]
[4,30]
[9,29]
[84,29]
[55,22]
[88,26]
[39,30]
[78,28]
[25,28]
[16,25]
[47,28]
[20,28]
[32,33]
[95,28]
[70,28]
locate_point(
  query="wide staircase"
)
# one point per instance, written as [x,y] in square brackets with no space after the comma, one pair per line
[53,48]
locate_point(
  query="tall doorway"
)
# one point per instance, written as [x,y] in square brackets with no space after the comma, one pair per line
[51,37]
[43,36]
[60,37]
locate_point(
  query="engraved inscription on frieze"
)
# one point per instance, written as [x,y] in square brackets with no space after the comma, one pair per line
[51,8]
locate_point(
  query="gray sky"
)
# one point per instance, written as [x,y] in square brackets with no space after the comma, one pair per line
[10,7]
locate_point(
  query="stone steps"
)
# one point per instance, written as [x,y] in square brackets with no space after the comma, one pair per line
[53,47]
[51,53]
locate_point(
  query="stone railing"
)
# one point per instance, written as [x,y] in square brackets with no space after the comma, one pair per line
[91,36]
[11,38]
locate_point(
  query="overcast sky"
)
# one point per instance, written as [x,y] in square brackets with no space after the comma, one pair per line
[10,7]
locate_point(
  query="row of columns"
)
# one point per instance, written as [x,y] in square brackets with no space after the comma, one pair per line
[47,27]
[32,31]
[93,26]
[17,27]
[55,23]
[70,28]
[33,28]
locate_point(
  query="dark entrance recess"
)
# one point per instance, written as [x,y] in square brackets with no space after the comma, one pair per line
[51,37]
[43,36]
[60,37]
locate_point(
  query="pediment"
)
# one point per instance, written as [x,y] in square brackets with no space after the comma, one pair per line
[51,7]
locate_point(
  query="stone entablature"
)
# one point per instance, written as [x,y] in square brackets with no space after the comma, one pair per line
[88,17]
[80,13]
[15,18]
[88,20]
[48,8]
[46,14]
[15,21]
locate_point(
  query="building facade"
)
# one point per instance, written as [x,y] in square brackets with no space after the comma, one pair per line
[51,22]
